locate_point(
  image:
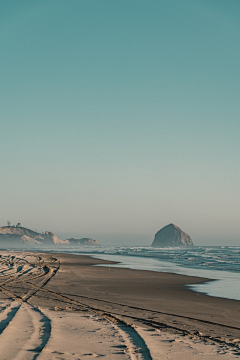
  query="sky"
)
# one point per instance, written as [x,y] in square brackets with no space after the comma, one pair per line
[120,117]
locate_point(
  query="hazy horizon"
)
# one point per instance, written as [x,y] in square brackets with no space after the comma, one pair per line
[118,118]
[135,239]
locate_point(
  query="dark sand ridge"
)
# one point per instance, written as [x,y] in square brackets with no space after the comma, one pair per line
[158,300]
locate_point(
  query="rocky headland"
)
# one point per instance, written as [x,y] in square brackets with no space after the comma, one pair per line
[171,236]
[18,237]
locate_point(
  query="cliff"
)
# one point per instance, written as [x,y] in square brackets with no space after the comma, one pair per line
[11,236]
[17,237]
[171,236]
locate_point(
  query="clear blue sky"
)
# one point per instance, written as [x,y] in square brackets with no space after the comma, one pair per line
[120,117]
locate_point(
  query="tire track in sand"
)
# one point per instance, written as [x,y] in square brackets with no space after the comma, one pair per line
[38,326]
[20,323]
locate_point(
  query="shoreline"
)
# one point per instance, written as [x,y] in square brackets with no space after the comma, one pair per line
[226,285]
[132,299]
[223,284]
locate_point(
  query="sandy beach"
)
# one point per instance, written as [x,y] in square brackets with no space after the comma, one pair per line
[61,306]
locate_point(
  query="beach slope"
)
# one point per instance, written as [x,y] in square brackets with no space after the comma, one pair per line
[62,306]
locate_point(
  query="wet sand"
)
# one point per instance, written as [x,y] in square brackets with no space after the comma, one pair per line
[71,309]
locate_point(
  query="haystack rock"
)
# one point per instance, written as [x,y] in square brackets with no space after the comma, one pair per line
[171,236]
[83,241]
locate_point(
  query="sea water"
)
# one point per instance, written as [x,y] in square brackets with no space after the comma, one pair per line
[221,263]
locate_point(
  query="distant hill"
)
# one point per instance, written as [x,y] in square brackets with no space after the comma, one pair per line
[18,236]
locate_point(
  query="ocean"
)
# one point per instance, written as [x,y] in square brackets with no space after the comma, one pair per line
[221,263]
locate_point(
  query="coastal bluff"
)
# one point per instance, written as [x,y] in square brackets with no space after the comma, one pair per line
[171,236]
[20,237]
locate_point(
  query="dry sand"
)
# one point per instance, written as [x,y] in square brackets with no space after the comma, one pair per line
[59,306]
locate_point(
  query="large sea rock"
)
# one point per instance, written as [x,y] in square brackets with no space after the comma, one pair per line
[171,236]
